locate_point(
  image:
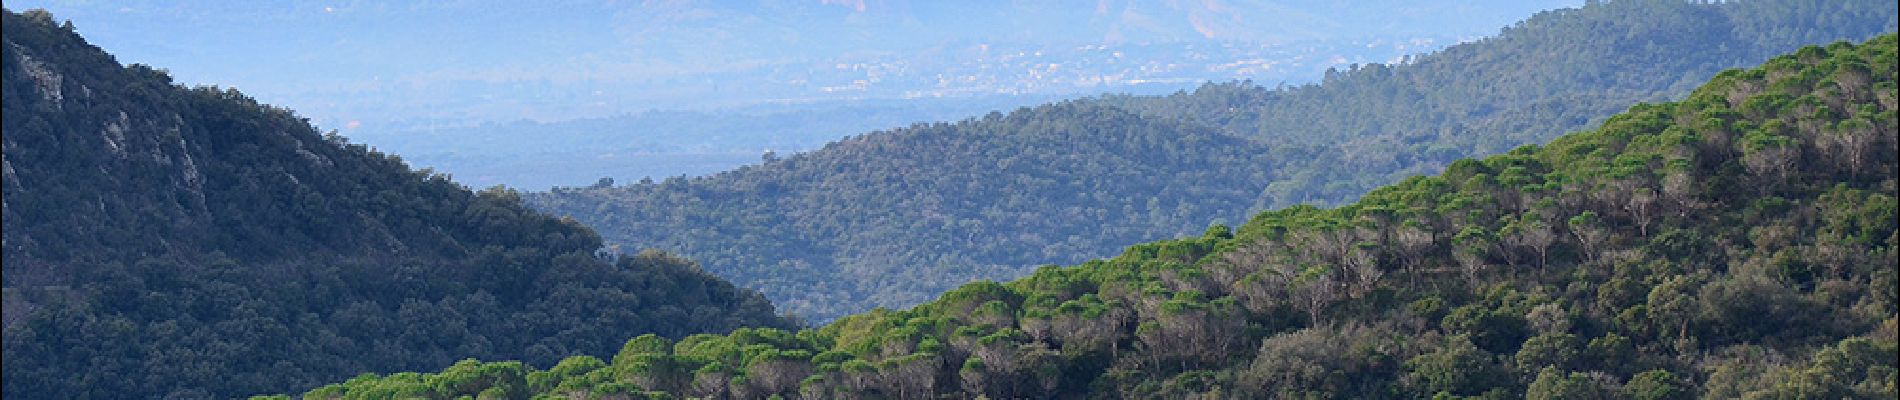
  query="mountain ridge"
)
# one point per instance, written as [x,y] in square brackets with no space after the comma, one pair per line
[814,192]
[1375,124]
[194,242]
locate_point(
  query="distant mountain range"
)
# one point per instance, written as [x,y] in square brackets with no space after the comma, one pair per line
[657,144]
[1380,123]
[818,72]
[375,69]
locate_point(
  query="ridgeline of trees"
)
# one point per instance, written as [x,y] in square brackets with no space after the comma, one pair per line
[163,241]
[893,218]
[1556,72]
[1739,243]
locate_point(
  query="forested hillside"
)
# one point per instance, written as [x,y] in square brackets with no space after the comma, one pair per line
[893,218]
[1556,72]
[1738,243]
[163,241]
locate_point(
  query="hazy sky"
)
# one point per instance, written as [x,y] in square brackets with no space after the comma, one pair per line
[340,62]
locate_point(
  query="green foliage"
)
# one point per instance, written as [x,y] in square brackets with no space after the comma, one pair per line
[1548,350]
[163,241]
[1856,367]
[1551,384]
[1655,384]
[992,197]
[1456,367]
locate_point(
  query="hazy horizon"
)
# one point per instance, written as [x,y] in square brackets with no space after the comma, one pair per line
[369,69]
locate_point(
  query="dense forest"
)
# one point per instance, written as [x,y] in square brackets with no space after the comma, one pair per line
[893,218]
[1739,243]
[163,241]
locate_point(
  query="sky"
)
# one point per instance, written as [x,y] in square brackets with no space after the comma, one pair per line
[353,65]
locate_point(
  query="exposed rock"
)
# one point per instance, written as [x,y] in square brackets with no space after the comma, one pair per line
[44,79]
[114,133]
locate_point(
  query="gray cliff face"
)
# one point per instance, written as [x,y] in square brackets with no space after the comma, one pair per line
[72,129]
[124,142]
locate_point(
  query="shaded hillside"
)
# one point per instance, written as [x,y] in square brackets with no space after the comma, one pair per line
[1739,243]
[889,218]
[893,218]
[1556,72]
[169,241]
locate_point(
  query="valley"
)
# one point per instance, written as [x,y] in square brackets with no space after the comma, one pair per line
[1622,199]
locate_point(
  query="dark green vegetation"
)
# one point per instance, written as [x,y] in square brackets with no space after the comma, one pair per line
[165,241]
[1740,243]
[893,218]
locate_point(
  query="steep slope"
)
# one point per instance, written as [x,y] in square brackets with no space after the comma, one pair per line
[889,218]
[1739,243]
[891,221]
[1556,72]
[165,241]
